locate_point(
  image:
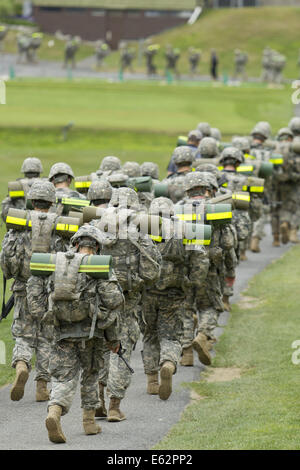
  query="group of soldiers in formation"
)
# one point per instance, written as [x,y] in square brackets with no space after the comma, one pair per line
[125,255]
[273,62]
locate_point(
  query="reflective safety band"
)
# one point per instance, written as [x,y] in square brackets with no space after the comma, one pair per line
[245,188]
[185,241]
[94,269]
[276,161]
[241,197]
[249,156]
[189,217]
[256,189]
[156,238]
[245,168]
[220,168]
[13,194]
[17,221]
[225,185]
[82,184]
[67,227]
[42,267]
[219,216]
[73,202]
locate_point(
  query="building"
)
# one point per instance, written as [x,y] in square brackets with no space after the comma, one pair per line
[112,20]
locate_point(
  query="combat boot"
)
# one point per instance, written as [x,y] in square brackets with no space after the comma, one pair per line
[53,425]
[200,345]
[42,394]
[294,236]
[153,385]
[226,303]
[276,239]
[243,256]
[254,245]
[22,374]
[187,358]
[285,232]
[166,372]
[114,412]
[88,421]
[101,412]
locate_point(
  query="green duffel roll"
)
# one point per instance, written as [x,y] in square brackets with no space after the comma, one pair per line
[161,190]
[265,169]
[16,190]
[70,203]
[246,169]
[140,184]
[67,226]
[96,266]
[204,213]
[91,213]
[76,215]
[18,219]
[197,234]
[218,213]
[82,184]
[241,200]
[182,140]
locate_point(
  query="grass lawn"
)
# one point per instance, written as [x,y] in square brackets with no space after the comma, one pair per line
[261,409]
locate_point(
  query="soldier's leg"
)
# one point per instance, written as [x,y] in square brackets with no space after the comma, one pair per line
[101,412]
[151,348]
[43,351]
[189,315]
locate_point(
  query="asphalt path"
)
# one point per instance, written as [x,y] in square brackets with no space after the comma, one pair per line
[22,424]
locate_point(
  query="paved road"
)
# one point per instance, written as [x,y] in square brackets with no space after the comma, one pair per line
[148,418]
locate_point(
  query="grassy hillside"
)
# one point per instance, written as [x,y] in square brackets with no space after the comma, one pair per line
[249,29]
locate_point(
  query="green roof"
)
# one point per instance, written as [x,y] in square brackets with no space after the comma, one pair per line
[121,4]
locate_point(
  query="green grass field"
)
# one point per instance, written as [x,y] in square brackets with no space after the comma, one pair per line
[261,409]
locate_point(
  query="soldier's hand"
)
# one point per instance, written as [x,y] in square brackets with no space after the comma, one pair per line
[115,349]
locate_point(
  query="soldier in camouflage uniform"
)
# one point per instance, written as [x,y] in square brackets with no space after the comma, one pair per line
[102,50]
[100,193]
[200,187]
[71,49]
[240,62]
[208,148]
[127,54]
[132,169]
[61,175]
[83,311]
[29,334]
[172,55]
[108,166]
[216,134]
[150,169]
[194,59]
[136,263]
[183,158]
[149,53]
[32,169]
[193,140]
[204,128]
[162,307]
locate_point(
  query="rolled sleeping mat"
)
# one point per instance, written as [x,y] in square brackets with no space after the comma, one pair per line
[264,169]
[204,213]
[70,203]
[16,190]
[76,215]
[91,213]
[218,213]
[82,183]
[277,159]
[148,224]
[241,200]
[96,266]
[197,234]
[161,190]
[255,185]
[141,184]
[18,219]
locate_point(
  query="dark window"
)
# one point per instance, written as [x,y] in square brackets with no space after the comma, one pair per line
[76,10]
[133,13]
[224,3]
[50,8]
[249,3]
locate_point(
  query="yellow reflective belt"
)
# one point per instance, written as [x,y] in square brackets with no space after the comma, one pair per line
[249,156]
[75,202]
[244,168]
[13,194]
[17,221]
[256,189]
[156,238]
[219,216]
[94,268]
[241,197]
[188,216]
[82,184]
[276,161]
[185,241]
[220,168]
[67,227]
[225,185]
[42,266]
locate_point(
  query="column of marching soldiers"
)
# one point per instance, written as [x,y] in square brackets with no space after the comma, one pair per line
[125,254]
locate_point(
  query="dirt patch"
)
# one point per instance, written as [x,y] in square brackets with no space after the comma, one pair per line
[249,302]
[195,396]
[223,374]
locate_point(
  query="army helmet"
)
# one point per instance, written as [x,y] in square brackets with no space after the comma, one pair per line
[182,155]
[262,129]
[42,191]
[205,128]
[125,198]
[241,143]
[162,205]
[132,169]
[195,134]
[87,235]
[216,133]
[208,147]
[59,169]
[99,189]
[32,165]
[296,145]
[232,153]
[110,163]
[294,125]
[284,132]
[200,179]
[209,168]
[150,169]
